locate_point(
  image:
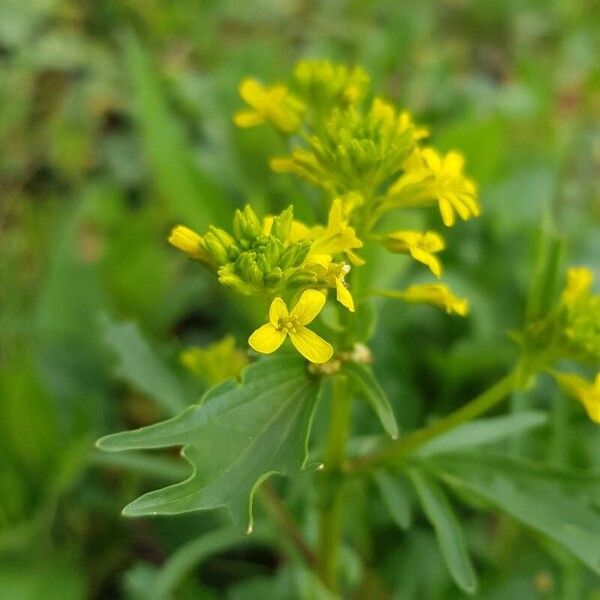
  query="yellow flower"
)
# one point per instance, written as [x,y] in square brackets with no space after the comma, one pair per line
[333,275]
[421,246]
[337,236]
[579,282]
[273,104]
[269,337]
[430,178]
[435,294]
[588,393]
[188,241]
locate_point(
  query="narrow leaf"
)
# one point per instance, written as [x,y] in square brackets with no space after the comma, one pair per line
[447,530]
[559,504]
[395,496]
[484,431]
[192,196]
[363,377]
[139,366]
[237,438]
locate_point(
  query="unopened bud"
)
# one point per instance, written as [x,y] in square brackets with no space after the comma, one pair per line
[216,249]
[282,225]
[188,241]
[301,278]
[229,279]
[273,277]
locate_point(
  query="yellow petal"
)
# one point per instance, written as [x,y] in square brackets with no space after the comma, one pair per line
[343,295]
[266,339]
[251,91]
[277,311]
[308,307]
[427,259]
[248,118]
[311,346]
[447,212]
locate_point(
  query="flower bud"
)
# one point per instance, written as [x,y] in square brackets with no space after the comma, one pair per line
[188,241]
[216,249]
[229,279]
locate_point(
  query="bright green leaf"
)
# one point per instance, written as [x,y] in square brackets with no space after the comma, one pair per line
[139,365]
[447,530]
[556,503]
[395,496]
[484,431]
[363,377]
[238,437]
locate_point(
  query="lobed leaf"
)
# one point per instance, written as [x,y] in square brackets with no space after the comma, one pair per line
[239,436]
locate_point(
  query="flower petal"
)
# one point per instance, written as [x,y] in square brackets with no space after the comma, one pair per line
[311,346]
[343,295]
[266,339]
[277,311]
[308,307]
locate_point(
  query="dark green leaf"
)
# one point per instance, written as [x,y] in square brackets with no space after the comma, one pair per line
[447,529]
[556,503]
[395,496]
[237,438]
[139,365]
[363,377]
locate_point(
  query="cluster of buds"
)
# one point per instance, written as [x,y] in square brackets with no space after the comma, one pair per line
[277,256]
[569,331]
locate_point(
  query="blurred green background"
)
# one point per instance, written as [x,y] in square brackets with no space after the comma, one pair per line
[115,125]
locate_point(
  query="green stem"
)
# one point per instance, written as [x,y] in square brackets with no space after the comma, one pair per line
[331,507]
[479,405]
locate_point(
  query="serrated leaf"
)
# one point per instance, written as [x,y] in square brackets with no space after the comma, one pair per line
[483,431]
[139,365]
[363,377]
[559,504]
[395,496]
[238,437]
[448,531]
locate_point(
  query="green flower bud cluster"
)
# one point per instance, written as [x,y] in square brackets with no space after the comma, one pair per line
[322,84]
[259,258]
[357,151]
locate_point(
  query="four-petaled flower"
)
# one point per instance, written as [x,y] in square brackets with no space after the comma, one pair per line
[436,294]
[272,104]
[430,178]
[269,337]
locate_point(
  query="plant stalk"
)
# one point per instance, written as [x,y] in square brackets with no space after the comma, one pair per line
[332,490]
[400,448]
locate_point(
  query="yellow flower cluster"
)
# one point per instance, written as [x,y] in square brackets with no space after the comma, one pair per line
[588,393]
[367,155]
[276,256]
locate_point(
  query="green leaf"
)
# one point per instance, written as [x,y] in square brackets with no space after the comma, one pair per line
[363,377]
[447,530]
[395,496]
[238,437]
[192,196]
[484,431]
[139,365]
[559,504]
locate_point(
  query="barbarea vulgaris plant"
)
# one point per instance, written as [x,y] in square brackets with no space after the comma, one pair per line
[367,161]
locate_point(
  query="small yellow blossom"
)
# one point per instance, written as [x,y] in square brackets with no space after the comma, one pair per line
[333,275]
[436,294]
[588,393]
[421,246]
[188,241]
[337,237]
[579,283]
[269,337]
[273,104]
[430,178]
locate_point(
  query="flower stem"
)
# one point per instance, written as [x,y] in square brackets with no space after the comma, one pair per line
[332,491]
[397,450]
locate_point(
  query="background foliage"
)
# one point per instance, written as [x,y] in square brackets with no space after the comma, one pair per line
[115,124]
